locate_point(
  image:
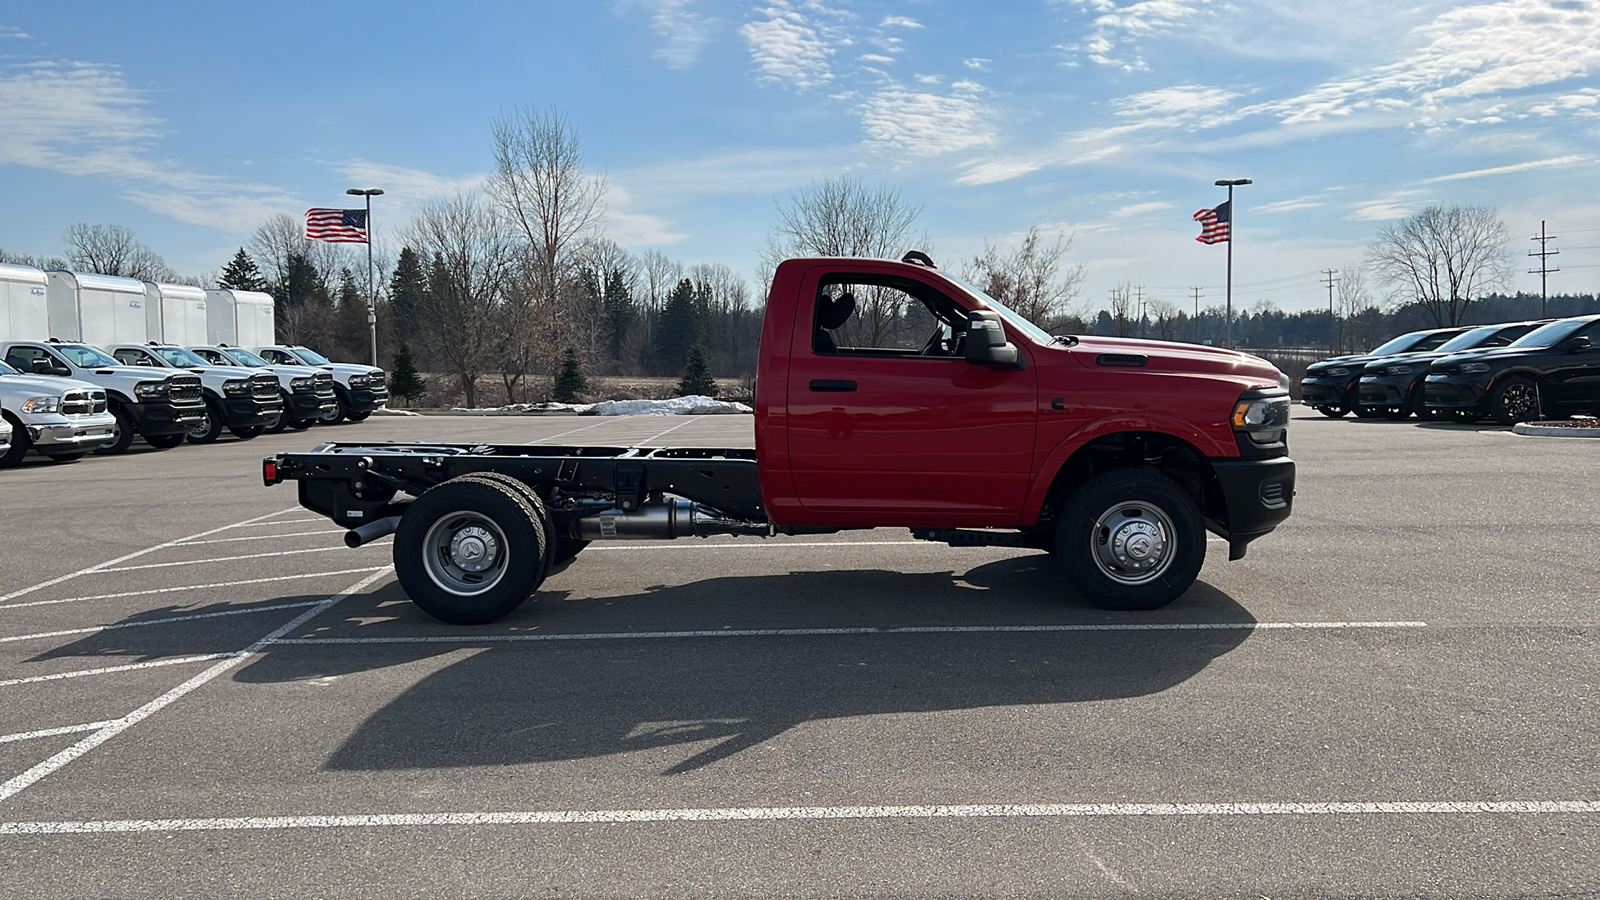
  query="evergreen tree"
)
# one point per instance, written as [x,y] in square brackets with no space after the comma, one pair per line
[697,380]
[570,381]
[305,309]
[680,328]
[404,379]
[353,336]
[407,294]
[241,274]
[621,313]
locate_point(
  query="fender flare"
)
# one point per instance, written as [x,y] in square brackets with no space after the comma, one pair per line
[1119,423]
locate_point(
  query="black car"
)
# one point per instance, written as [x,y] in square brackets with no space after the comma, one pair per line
[1330,385]
[1550,371]
[1393,387]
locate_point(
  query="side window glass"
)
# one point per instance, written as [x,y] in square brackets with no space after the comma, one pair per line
[128,357]
[857,316]
[21,359]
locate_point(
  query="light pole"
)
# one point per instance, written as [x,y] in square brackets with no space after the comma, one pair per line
[372,295]
[1229,183]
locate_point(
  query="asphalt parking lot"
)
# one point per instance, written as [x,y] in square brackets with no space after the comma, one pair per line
[203,692]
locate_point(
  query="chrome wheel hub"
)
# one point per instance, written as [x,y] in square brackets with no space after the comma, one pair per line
[465,553]
[473,549]
[1132,542]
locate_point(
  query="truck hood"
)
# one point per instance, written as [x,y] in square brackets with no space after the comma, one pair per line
[350,369]
[50,385]
[1174,358]
[221,371]
[143,373]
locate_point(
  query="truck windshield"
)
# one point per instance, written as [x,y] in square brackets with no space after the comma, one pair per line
[179,357]
[1550,335]
[1035,333]
[310,357]
[85,356]
[246,358]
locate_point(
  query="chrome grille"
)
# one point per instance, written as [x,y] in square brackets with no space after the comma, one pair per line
[264,387]
[184,390]
[378,379]
[83,403]
[323,382]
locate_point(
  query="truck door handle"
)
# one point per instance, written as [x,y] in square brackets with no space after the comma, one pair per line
[823,385]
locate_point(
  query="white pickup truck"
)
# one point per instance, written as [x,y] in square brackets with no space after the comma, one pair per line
[243,400]
[307,393]
[60,418]
[361,388]
[159,404]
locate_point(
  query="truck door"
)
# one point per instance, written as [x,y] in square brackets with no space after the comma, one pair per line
[888,422]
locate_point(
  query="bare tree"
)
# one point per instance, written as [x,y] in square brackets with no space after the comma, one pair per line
[658,275]
[470,255]
[28,259]
[113,250]
[283,236]
[1442,257]
[1030,278]
[1351,300]
[1123,323]
[1167,318]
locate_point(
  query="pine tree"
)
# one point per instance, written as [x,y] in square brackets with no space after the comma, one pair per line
[697,380]
[404,379]
[680,328]
[353,336]
[407,292]
[570,381]
[241,274]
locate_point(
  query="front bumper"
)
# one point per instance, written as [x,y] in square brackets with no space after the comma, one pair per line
[364,400]
[1447,393]
[1385,390]
[74,434]
[161,417]
[310,404]
[242,412]
[1258,494]
[1326,391]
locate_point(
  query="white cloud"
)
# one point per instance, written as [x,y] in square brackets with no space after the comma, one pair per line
[977,63]
[876,57]
[1393,205]
[921,124]
[788,48]
[1114,26]
[1184,100]
[1139,209]
[1552,163]
[899,22]
[9,31]
[683,27]
[408,186]
[635,229]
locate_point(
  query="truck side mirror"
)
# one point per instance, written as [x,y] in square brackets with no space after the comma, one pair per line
[986,343]
[44,365]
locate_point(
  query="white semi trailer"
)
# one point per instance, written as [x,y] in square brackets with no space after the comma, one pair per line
[23,310]
[238,319]
[174,314]
[95,309]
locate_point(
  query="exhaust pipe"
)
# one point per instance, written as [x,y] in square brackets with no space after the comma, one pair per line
[667,519]
[366,534]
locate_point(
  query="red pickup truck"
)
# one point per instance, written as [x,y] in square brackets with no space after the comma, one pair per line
[889,393]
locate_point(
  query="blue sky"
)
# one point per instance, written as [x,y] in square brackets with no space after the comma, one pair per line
[1106,120]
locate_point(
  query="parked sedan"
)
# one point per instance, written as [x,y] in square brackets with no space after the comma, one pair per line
[1330,385]
[1550,371]
[1393,387]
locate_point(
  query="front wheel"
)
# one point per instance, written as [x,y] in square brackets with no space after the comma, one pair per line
[210,426]
[331,416]
[1131,539]
[165,441]
[65,457]
[1514,400]
[122,434]
[469,551]
[246,432]
[280,420]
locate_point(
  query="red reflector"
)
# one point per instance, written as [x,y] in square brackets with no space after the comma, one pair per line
[269,472]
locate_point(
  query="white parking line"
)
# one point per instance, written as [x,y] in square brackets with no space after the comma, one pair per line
[138,553]
[194,587]
[165,621]
[52,732]
[551,437]
[254,524]
[875,630]
[820,813]
[656,437]
[261,537]
[153,664]
[220,559]
[21,782]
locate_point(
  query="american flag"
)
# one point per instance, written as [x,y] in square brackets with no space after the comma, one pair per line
[1213,224]
[339,226]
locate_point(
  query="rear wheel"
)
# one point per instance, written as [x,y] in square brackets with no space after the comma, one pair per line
[1514,400]
[19,445]
[122,434]
[165,441]
[471,550]
[557,549]
[1333,412]
[210,426]
[1131,539]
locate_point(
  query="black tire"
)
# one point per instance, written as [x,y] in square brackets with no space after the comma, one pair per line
[445,536]
[1129,507]
[19,445]
[210,426]
[246,432]
[301,424]
[66,457]
[165,441]
[359,417]
[1514,400]
[1334,412]
[333,416]
[124,432]
[281,420]
[557,549]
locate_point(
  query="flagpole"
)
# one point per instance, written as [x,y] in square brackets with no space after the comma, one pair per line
[1233,220]
[372,295]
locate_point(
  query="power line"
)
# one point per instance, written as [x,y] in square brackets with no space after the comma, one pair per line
[1543,253]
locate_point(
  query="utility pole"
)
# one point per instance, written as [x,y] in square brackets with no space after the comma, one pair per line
[1194,323]
[1543,253]
[1140,295]
[1329,281]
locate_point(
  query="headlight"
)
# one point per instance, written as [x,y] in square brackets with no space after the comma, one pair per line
[1336,373]
[237,388]
[300,384]
[150,390]
[1474,368]
[1264,418]
[359,380]
[41,404]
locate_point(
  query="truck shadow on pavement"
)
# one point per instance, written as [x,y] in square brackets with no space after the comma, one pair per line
[541,701]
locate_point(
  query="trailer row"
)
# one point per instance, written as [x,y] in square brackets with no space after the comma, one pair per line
[106,309]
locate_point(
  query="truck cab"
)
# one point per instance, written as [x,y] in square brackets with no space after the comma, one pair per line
[307,393]
[157,404]
[243,400]
[361,389]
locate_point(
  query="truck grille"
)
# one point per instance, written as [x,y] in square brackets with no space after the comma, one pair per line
[264,387]
[378,381]
[323,382]
[184,390]
[83,403]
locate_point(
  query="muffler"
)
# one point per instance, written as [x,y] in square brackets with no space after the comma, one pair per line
[666,519]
